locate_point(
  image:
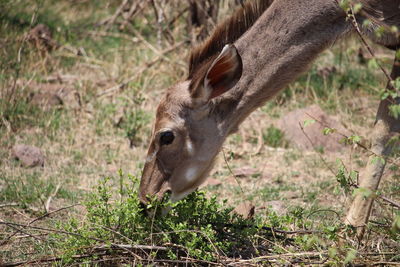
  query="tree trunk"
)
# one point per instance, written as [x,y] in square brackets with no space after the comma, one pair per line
[384,129]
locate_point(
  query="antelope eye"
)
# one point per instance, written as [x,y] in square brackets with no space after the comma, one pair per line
[166,138]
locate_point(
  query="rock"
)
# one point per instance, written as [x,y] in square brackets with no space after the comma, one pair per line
[47,95]
[244,172]
[46,99]
[245,209]
[278,206]
[291,194]
[324,72]
[289,124]
[41,37]
[30,156]
[231,181]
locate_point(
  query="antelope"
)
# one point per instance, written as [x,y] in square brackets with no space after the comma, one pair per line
[246,61]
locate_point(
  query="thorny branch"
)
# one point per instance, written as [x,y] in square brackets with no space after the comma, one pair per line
[390,201]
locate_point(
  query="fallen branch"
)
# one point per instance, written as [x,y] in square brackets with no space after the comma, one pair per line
[8,205]
[50,198]
[183,262]
[118,12]
[52,212]
[280,256]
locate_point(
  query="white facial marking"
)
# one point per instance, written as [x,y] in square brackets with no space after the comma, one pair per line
[151,157]
[189,147]
[191,174]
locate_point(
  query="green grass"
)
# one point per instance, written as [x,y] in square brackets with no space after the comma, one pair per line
[274,137]
[31,190]
[271,192]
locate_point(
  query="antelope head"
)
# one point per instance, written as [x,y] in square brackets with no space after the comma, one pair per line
[187,134]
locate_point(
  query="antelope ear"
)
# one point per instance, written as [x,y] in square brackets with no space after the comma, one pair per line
[220,76]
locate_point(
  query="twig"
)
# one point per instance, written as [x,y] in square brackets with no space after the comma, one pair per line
[18,230]
[44,260]
[286,255]
[111,20]
[231,172]
[113,34]
[172,21]
[355,24]
[10,224]
[121,246]
[8,205]
[357,143]
[291,232]
[160,19]
[140,71]
[39,218]
[124,246]
[279,231]
[50,198]
[312,144]
[149,45]
[352,17]
[390,201]
[134,9]
[52,212]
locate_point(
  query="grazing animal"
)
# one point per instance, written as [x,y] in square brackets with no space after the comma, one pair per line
[247,60]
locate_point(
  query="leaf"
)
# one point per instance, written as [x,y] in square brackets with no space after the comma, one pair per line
[384,94]
[364,192]
[353,139]
[377,159]
[350,256]
[396,224]
[357,7]
[380,31]
[367,23]
[394,111]
[308,122]
[373,64]
[328,130]
[397,82]
[353,175]
[345,5]
[332,252]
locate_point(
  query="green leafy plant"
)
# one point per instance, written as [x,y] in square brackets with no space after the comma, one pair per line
[197,226]
[274,137]
[346,179]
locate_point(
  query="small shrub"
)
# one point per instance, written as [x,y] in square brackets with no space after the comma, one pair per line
[196,226]
[274,137]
